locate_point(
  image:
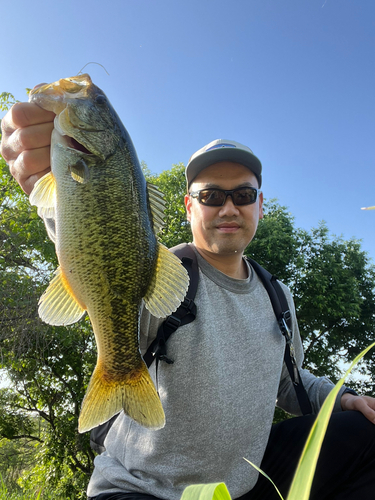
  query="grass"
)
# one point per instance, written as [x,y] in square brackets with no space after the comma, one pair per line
[5,494]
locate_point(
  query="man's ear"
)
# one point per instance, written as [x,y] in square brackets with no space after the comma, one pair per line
[187,200]
[261,206]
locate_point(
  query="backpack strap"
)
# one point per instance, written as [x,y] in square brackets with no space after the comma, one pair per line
[283,316]
[99,433]
[185,313]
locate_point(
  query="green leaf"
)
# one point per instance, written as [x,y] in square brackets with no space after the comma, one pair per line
[265,475]
[212,491]
[301,485]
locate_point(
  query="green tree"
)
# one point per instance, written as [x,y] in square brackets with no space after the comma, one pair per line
[172,184]
[333,284]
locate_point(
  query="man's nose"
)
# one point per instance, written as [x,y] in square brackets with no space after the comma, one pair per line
[229,208]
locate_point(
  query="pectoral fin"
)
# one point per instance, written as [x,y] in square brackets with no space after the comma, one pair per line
[44,196]
[80,172]
[57,305]
[168,286]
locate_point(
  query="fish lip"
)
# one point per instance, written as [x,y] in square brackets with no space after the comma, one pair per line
[49,89]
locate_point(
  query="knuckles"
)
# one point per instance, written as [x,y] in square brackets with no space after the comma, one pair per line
[18,115]
[5,150]
[22,140]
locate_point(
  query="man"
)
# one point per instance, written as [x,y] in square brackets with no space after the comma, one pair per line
[228,371]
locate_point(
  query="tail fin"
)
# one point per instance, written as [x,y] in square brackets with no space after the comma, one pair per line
[135,394]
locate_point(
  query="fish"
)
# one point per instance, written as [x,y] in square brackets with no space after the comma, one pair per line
[106,220]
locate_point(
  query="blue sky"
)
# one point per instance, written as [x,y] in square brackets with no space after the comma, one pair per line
[292,79]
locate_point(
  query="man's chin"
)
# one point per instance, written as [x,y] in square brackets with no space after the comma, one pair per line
[228,248]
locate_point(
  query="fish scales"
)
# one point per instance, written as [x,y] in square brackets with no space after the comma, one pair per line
[105,268]
[109,257]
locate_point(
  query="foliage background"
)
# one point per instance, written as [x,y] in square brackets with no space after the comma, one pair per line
[46,369]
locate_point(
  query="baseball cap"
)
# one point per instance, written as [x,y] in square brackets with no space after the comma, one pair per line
[222,150]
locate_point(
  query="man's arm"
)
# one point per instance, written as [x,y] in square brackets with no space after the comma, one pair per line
[317,388]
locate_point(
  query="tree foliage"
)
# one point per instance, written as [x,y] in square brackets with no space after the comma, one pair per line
[47,368]
[332,281]
[172,184]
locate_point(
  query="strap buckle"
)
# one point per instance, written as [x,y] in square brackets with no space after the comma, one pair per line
[160,353]
[285,330]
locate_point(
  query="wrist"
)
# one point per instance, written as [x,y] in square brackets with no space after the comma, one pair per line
[346,396]
[349,391]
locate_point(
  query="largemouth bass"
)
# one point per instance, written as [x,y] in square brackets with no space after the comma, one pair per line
[106,217]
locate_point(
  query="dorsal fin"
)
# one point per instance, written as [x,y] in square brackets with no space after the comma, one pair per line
[157,205]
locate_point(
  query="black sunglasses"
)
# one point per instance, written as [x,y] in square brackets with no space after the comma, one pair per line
[213,197]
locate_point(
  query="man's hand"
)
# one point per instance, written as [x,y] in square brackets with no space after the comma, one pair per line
[363,404]
[25,144]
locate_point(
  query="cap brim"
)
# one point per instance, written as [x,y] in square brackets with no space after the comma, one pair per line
[224,154]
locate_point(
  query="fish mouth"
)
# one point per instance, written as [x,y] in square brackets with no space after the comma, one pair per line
[77,146]
[72,85]
[70,142]
[75,130]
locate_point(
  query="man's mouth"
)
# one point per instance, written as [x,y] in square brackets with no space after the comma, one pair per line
[228,227]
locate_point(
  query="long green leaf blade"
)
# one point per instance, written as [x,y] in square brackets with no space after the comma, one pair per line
[212,491]
[265,475]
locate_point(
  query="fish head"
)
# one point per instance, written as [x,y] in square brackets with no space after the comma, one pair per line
[84,115]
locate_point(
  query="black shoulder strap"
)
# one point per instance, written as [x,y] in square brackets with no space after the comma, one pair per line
[186,311]
[283,316]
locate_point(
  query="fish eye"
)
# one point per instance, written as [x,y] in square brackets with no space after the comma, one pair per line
[100,99]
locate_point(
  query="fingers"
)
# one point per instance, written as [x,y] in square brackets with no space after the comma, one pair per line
[363,404]
[25,144]
[29,166]
[24,114]
[28,138]
[364,407]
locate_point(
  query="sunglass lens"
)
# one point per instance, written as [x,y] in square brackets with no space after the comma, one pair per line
[244,196]
[211,197]
[217,197]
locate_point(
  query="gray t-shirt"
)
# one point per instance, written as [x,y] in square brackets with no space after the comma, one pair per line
[219,395]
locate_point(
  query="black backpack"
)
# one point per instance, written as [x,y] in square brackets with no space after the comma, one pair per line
[187,312]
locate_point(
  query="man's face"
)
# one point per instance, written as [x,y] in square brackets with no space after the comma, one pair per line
[228,229]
